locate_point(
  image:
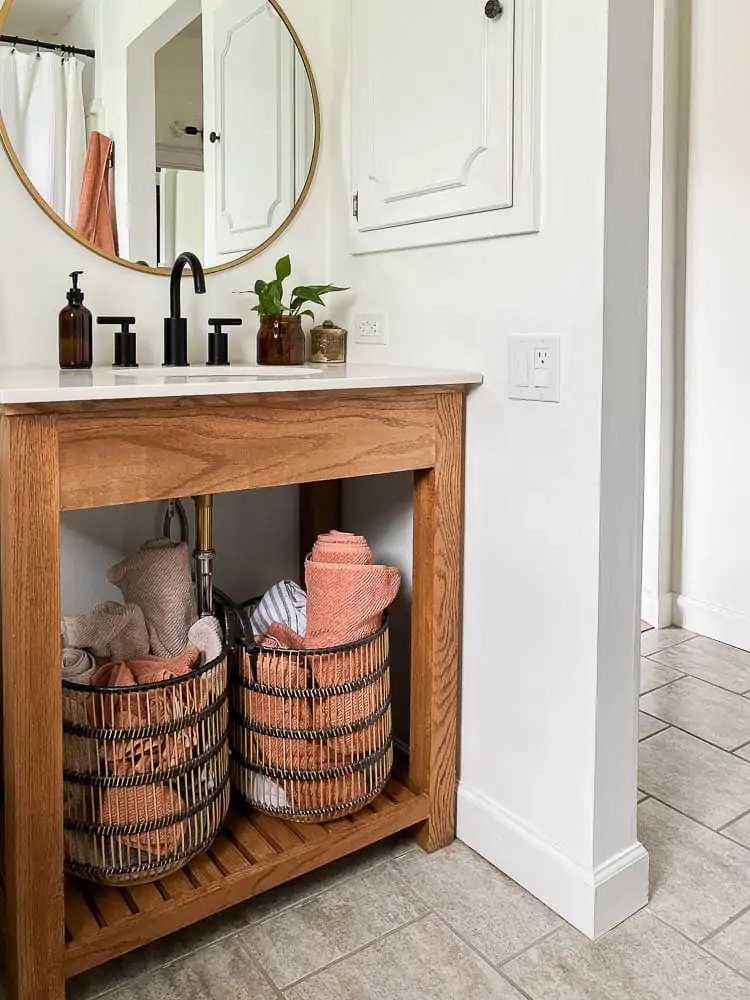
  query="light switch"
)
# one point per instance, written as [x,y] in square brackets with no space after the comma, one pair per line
[534,368]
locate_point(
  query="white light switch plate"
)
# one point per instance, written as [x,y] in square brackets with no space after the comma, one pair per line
[534,368]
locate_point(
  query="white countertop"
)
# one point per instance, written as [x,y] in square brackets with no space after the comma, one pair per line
[50,385]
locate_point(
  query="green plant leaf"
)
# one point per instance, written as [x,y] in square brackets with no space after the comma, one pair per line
[283,269]
[307,312]
[260,287]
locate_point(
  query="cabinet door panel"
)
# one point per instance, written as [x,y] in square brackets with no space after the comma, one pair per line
[433,110]
[254,86]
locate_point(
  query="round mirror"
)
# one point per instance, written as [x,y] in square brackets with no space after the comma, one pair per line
[145,128]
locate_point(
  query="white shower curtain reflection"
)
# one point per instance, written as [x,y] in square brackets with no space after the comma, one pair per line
[41,102]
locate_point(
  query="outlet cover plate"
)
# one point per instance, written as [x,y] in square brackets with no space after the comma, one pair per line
[534,368]
[370,329]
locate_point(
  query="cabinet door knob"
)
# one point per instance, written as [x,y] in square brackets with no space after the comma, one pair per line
[215,137]
[493,9]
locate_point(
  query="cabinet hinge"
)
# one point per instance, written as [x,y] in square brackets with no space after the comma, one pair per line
[355,206]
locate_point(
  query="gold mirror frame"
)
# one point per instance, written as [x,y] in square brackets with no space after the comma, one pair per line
[5,140]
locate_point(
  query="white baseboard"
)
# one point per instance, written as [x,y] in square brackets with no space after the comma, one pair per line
[657,611]
[593,901]
[730,627]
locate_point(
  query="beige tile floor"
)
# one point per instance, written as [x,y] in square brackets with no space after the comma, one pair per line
[395,924]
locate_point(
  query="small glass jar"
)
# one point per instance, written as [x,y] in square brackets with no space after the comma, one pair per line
[281,341]
[328,344]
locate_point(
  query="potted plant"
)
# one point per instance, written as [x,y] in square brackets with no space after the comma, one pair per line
[281,340]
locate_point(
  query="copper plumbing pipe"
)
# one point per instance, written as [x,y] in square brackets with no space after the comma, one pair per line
[204,553]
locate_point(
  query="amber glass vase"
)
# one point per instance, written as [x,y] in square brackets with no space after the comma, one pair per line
[281,341]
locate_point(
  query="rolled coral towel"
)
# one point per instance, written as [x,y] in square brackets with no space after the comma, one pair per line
[341,547]
[158,580]
[111,631]
[78,666]
[284,604]
[345,603]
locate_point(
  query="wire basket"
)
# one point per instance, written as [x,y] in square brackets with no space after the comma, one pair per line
[146,774]
[312,732]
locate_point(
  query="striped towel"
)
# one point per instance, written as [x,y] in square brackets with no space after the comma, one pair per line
[284,604]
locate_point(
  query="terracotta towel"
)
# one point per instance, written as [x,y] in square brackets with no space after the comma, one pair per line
[158,580]
[94,212]
[111,632]
[122,806]
[149,670]
[280,637]
[78,666]
[341,547]
[345,603]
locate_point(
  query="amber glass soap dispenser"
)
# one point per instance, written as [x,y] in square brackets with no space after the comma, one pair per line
[76,325]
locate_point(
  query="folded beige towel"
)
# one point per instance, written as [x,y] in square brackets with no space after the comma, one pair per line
[158,580]
[78,666]
[111,631]
[206,635]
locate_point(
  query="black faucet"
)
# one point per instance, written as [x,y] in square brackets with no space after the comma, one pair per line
[176,328]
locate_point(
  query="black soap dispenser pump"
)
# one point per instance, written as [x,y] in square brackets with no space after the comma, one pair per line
[76,325]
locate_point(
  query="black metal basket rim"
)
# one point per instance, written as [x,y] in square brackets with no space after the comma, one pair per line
[150,826]
[330,774]
[84,779]
[165,864]
[323,811]
[253,647]
[157,686]
[314,735]
[146,732]
[319,693]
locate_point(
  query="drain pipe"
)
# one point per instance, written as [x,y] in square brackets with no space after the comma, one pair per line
[204,554]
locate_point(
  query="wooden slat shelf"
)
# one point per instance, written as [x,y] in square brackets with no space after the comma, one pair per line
[253,854]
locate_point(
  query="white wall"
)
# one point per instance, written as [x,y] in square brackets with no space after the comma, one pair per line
[712,577]
[550,603]
[34,268]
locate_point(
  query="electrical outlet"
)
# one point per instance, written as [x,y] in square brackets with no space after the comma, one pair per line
[370,330]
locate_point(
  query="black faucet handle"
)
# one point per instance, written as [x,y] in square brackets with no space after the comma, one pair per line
[218,341]
[218,323]
[125,347]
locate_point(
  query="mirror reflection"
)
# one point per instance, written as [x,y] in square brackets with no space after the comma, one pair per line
[154,126]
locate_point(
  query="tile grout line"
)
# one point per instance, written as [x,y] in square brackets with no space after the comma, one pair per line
[710,829]
[498,966]
[732,822]
[686,732]
[354,952]
[685,674]
[264,975]
[720,930]
[700,947]
[667,726]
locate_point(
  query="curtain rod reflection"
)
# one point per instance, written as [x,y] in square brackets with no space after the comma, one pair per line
[36,44]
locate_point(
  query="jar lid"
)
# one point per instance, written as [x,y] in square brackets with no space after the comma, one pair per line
[328,326]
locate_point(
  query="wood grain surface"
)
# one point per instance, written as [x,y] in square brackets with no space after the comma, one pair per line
[436,625]
[320,511]
[255,853]
[268,441]
[32,707]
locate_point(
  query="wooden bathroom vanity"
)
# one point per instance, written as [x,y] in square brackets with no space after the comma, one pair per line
[73,441]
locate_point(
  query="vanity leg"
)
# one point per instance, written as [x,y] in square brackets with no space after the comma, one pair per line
[436,625]
[320,511]
[32,707]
